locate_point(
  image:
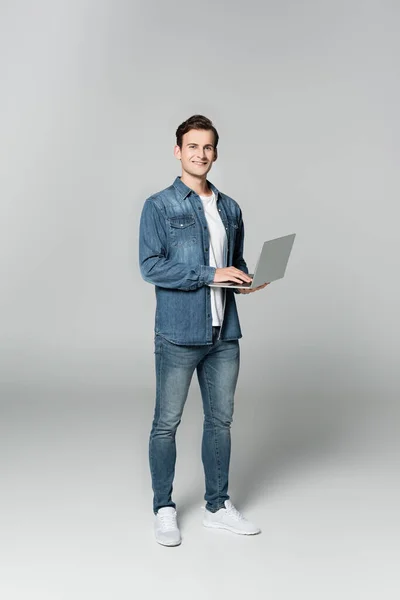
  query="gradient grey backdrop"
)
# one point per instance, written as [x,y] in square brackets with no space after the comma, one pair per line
[305,97]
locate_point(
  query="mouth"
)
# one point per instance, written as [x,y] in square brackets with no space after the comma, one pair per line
[201,164]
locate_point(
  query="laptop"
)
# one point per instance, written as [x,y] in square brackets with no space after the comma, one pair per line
[271,263]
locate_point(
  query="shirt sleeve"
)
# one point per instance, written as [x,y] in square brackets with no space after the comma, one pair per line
[155,267]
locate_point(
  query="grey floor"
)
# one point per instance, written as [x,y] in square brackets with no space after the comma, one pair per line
[76,519]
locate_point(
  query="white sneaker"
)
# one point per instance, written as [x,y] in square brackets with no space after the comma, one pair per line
[229,518]
[166,528]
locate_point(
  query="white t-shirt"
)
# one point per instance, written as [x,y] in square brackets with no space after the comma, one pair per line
[217,252]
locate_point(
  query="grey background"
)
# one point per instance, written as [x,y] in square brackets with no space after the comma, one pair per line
[305,97]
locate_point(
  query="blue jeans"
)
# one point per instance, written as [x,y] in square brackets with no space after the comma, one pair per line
[217,371]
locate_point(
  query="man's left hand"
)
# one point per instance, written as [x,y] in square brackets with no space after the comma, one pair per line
[260,287]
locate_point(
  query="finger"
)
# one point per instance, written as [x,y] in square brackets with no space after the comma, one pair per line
[233,279]
[241,274]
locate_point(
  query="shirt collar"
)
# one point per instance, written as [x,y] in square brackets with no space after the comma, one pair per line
[183,190]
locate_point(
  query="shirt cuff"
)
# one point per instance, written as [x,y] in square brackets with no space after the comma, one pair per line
[207,274]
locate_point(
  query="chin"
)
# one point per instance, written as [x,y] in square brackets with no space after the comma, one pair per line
[198,173]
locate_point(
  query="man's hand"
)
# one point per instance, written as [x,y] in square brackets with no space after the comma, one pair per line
[231,274]
[260,287]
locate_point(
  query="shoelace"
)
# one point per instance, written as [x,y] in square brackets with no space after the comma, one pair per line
[233,512]
[168,522]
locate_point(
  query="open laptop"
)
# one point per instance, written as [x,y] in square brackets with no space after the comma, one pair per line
[271,264]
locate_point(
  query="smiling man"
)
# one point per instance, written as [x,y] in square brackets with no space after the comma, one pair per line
[191,235]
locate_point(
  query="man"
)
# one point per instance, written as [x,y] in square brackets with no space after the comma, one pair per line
[191,235]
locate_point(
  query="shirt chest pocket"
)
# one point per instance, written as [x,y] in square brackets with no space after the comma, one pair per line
[233,223]
[233,227]
[182,230]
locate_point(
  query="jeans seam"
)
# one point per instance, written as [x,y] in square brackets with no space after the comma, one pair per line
[215,436]
[158,412]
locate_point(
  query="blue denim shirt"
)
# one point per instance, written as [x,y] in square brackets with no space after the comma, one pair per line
[174,256]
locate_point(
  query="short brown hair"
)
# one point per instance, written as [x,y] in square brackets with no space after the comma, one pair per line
[196,122]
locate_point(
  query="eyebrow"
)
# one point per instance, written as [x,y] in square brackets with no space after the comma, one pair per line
[194,144]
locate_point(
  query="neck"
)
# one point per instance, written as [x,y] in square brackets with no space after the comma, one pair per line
[197,184]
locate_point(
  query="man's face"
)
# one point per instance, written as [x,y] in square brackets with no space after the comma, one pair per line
[197,153]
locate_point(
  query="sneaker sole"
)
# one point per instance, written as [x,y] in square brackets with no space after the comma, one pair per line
[169,545]
[220,526]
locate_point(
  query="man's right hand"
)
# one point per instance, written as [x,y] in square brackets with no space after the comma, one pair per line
[231,274]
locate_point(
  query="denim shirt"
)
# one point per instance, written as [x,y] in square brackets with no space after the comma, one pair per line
[174,256]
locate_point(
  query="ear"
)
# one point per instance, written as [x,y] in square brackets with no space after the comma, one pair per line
[215,155]
[177,152]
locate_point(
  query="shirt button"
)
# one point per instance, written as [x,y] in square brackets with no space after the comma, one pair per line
[206,249]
